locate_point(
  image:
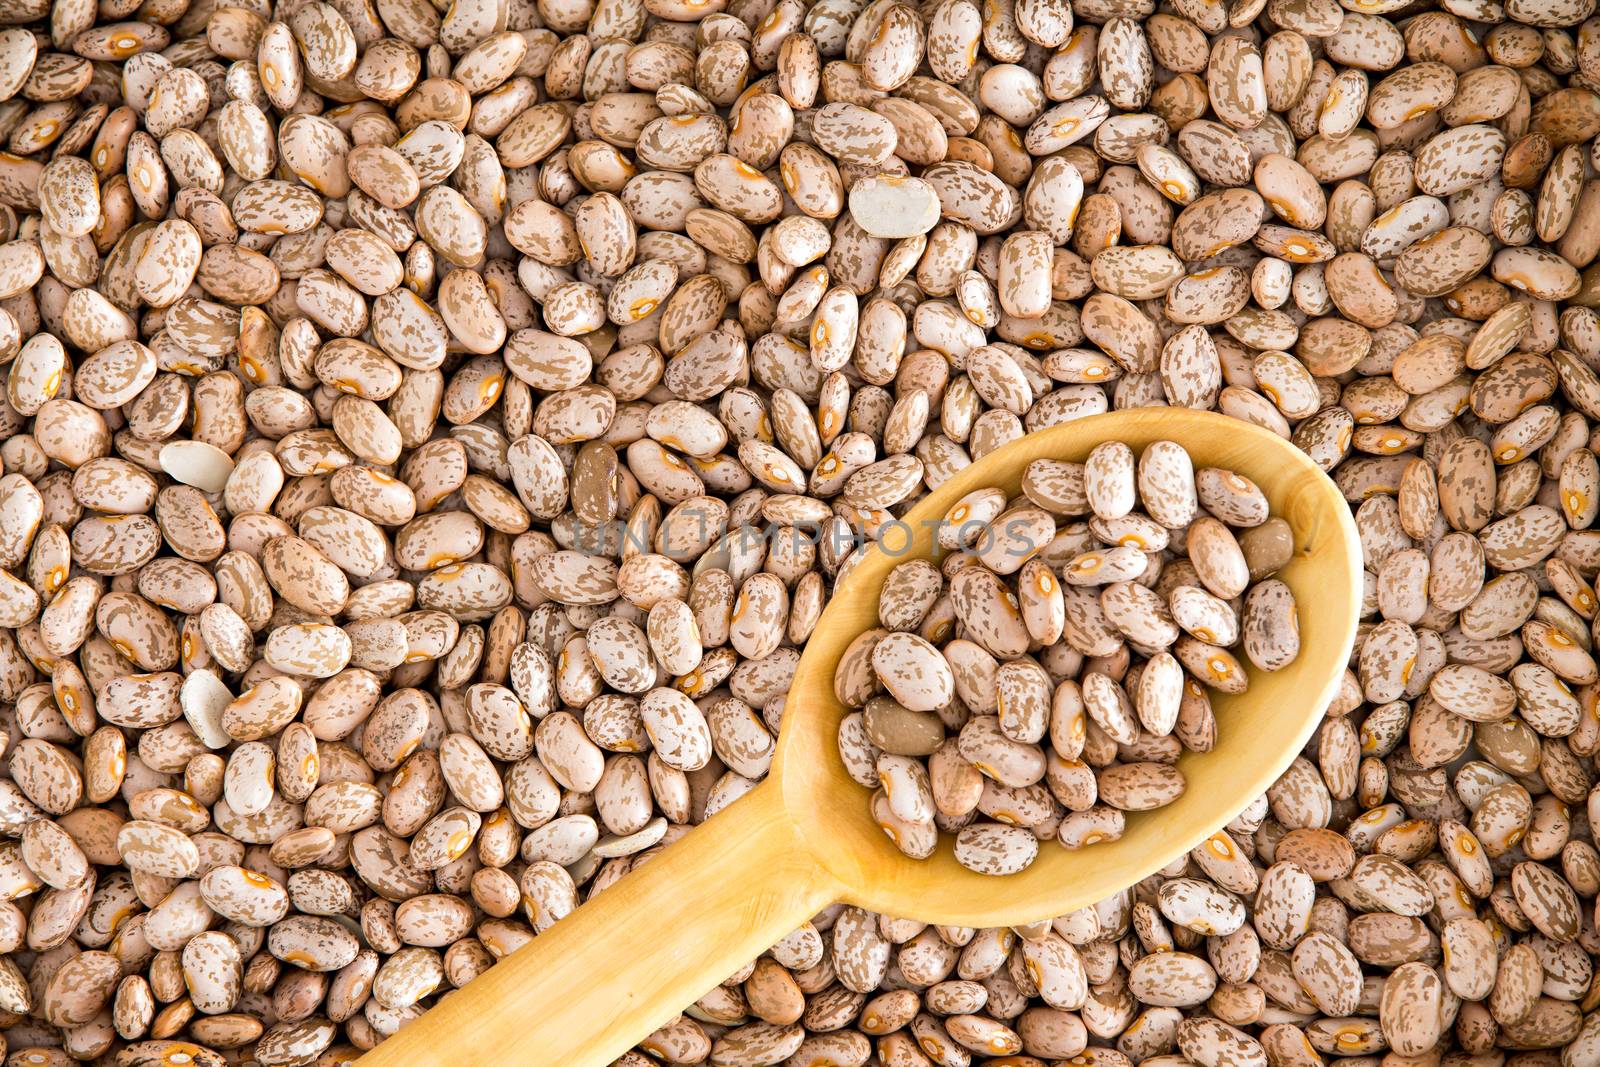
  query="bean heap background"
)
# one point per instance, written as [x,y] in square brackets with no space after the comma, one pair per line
[343,340]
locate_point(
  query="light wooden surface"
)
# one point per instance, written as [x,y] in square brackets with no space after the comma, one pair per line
[627,962]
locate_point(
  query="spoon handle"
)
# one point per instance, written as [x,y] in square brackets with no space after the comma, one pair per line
[625,963]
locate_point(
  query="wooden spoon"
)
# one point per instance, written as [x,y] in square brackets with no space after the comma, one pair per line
[625,963]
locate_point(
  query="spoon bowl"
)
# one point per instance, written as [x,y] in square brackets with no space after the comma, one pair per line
[603,979]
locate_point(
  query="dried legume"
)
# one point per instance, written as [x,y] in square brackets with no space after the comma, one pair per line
[387,388]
